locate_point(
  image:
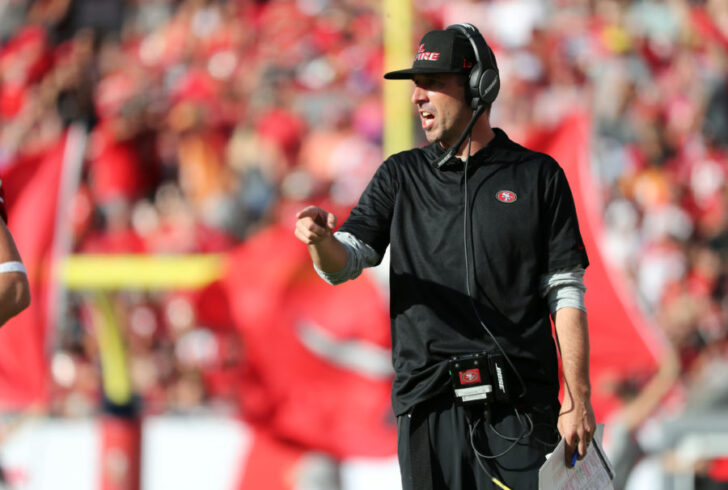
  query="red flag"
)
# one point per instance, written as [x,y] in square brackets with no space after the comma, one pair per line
[31,188]
[622,340]
[317,358]
[270,464]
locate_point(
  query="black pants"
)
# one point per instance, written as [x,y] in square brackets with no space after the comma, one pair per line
[435,451]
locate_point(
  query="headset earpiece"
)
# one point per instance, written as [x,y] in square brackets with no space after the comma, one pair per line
[474,93]
[483,82]
[489,85]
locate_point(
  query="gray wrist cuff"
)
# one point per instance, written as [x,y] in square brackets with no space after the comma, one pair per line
[359,255]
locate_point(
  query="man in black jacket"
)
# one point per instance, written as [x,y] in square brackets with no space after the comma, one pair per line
[485,245]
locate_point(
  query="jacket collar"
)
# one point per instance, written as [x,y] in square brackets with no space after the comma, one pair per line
[434,151]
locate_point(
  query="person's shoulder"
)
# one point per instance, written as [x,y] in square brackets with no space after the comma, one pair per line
[415,162]
[415,155]
[509,146]
[517,153]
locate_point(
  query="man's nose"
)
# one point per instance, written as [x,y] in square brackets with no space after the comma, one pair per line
[419,95]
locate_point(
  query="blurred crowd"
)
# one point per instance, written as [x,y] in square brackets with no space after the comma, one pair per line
[202,118]
[206,117]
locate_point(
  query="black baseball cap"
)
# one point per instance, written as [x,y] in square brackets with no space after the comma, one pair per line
[445,51]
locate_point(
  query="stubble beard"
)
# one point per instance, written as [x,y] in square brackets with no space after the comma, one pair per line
[440,134]
[446,136]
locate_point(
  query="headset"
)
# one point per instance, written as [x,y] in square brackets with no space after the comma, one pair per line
[484,82]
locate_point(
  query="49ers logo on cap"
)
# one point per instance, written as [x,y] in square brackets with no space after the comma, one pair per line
[470,376]
[506,196]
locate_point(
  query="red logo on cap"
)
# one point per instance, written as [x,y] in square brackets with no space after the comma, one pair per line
[506,196]
[426,55]
[470,376]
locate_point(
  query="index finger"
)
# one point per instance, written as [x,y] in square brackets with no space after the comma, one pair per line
[308,211]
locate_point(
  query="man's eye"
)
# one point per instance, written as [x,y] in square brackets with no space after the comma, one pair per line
[427,84]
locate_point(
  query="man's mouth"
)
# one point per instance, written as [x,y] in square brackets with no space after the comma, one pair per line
[428,119]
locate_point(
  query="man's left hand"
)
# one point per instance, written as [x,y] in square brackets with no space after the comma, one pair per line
[576,426]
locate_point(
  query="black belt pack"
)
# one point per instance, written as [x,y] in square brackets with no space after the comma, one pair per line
[480,378]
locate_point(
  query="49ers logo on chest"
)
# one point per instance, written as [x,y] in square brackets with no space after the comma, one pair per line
[507,197]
